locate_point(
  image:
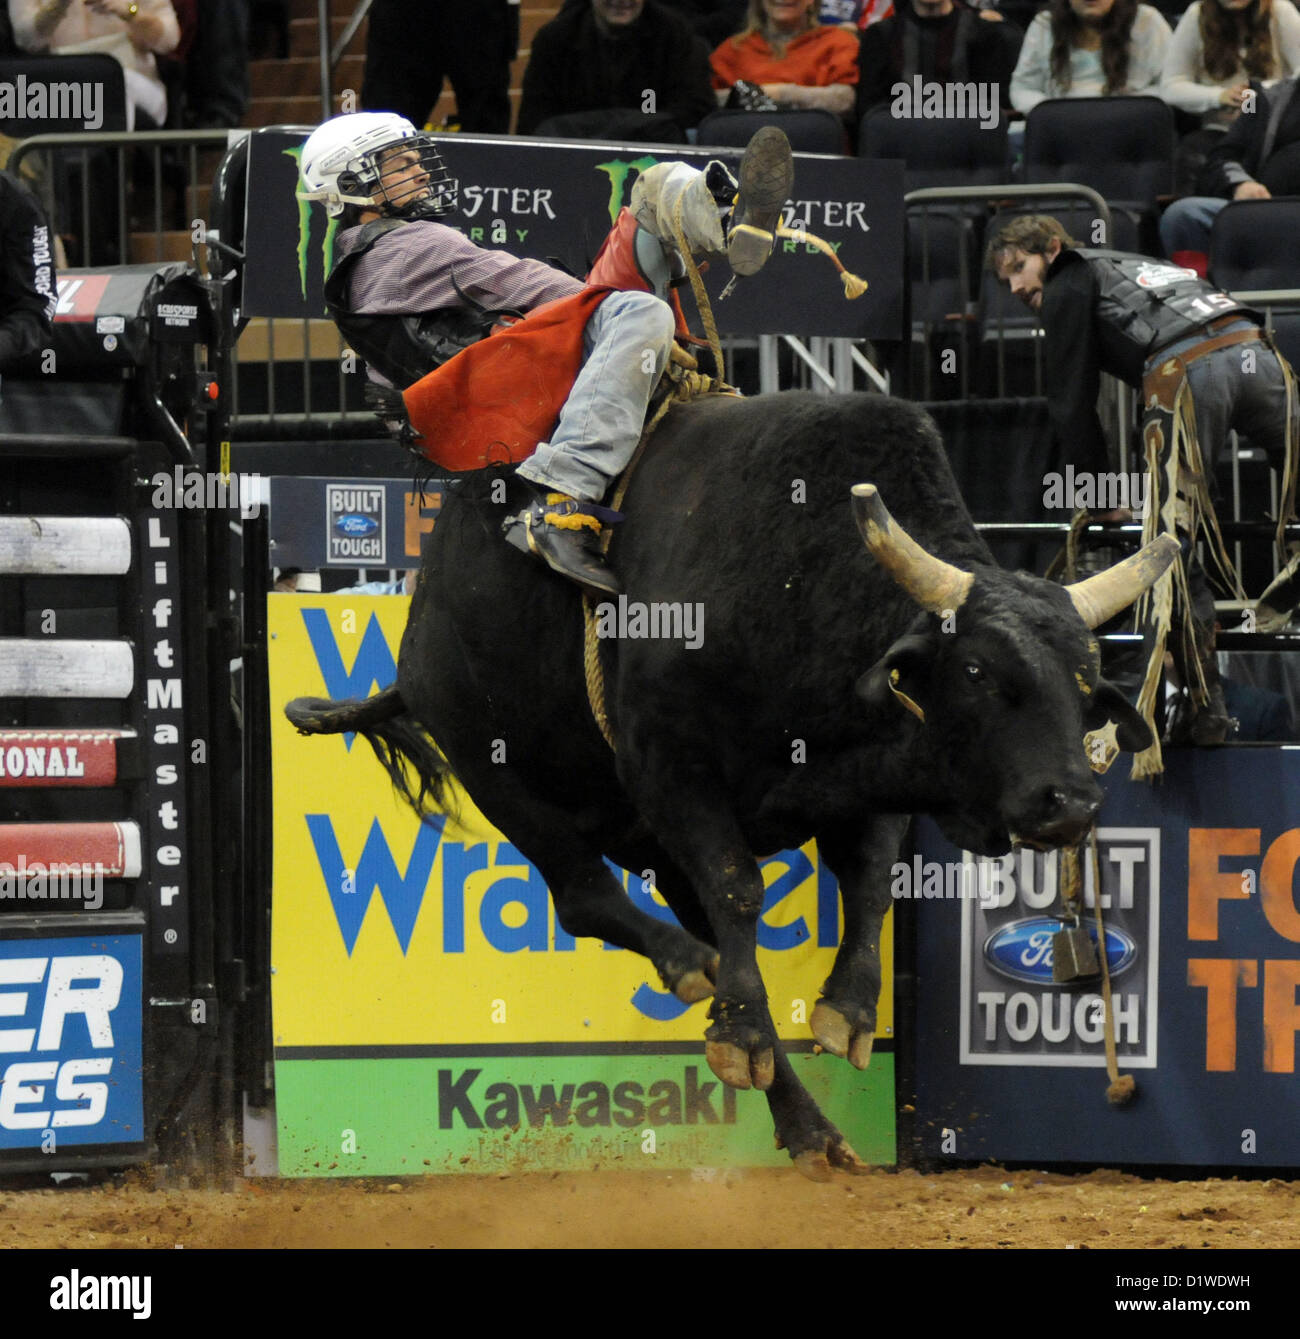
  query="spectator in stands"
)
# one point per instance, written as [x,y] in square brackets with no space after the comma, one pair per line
[216,70]
[414,44]
[1217,48]
[711,20]
[1088,49]
[943,41]
[268,37]
[132,31]
[616,69]
[797,61]
[1257,158]
[854,13]
[28,291]
[1142,320]
[403,585]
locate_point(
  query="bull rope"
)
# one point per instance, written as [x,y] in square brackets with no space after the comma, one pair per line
[1122,1087]
[687,384]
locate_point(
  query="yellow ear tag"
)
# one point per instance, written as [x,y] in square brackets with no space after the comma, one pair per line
[1102,746]
[903,697]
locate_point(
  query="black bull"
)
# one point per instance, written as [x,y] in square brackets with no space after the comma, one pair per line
[837,687]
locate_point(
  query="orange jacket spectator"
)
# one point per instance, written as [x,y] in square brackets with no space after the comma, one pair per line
[796,60]
[818,57]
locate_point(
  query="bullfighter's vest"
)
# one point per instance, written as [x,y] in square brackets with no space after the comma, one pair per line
[1152,303]
[400,348]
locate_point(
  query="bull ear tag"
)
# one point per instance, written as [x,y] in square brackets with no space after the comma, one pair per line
[902,697]
[1074,957]
[1102,746]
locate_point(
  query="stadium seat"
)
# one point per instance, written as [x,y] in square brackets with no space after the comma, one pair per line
[75,72]
[810,131]
[1253,245]
[957,152]
[939,278]
[1123,147]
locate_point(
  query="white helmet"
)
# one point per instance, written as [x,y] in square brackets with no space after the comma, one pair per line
[340,166]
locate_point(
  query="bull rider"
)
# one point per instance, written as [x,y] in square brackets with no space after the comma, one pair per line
[409,292]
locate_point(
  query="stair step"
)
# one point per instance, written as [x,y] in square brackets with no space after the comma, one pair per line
[301,74]
[148,248]
[323,341]
[303,39]
[287,92]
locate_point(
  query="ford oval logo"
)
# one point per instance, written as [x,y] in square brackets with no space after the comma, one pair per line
[1022,950]
[353,524]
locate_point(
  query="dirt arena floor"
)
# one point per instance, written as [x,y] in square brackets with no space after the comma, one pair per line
[983,1207]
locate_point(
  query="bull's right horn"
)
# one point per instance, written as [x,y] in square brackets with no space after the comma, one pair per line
[935,585]
[1101,597]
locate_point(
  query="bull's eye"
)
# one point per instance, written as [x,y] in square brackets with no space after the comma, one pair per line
[974,673]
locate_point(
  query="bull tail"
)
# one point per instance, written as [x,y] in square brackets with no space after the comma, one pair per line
[414,763]
[322,716]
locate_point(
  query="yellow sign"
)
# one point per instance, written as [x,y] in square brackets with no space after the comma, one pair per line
[389,932]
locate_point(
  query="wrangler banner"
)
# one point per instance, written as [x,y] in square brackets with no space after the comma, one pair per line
[1202,932]
[431,1014]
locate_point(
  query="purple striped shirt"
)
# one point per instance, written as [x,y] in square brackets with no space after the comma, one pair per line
[410,270]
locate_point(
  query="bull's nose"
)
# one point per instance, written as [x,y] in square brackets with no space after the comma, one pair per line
[1059,815]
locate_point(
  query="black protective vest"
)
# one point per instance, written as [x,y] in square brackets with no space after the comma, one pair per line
[401,348]
[1152,303]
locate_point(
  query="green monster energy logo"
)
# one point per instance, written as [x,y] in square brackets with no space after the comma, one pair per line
[304,230]
[618,172]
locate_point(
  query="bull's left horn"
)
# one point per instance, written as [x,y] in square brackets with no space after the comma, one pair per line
[935,585]
[1101,597]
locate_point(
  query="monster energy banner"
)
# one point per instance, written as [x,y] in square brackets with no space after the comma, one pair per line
[556,201]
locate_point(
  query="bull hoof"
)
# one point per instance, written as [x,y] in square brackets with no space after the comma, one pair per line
[819,1164]
[694,984]
[815,1166]
[836,1034]
[739,1068]
[692,987]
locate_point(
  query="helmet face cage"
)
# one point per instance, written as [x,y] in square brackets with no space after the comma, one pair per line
[407,176]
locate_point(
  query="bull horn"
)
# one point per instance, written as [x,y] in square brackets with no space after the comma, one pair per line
[935,585]
[1101,597]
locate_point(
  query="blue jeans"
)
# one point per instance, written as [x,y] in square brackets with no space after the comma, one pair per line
[1186,224]
[1240,387]
[627,342]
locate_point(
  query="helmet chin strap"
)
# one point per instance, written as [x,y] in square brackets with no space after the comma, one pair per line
[425,208]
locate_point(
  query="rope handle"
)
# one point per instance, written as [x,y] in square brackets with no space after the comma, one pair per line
[1122,1087]
[854,287]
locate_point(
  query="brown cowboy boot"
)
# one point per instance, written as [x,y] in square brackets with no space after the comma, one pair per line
[766,180]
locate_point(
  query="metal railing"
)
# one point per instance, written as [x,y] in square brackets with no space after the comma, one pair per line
[946,197]
[172,160]
[330,56]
